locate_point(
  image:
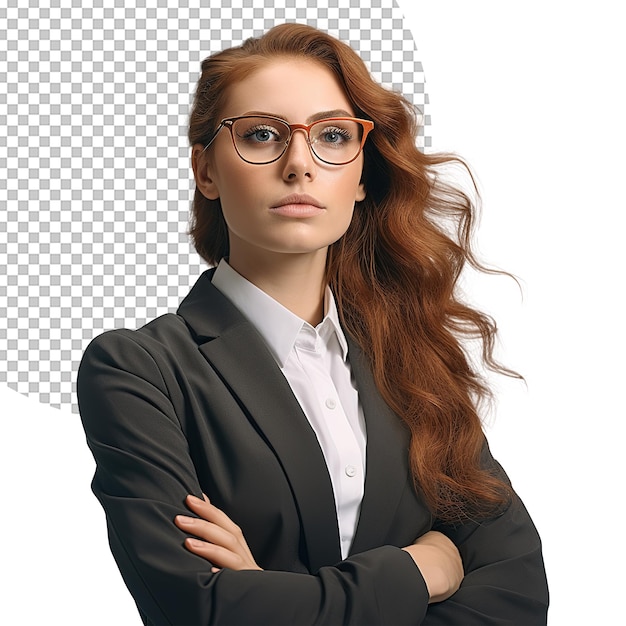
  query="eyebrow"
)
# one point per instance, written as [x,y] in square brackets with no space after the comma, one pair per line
[312,118]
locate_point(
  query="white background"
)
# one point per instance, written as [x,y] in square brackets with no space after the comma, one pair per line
[532,95]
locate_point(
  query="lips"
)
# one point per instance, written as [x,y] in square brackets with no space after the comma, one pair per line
[297,198]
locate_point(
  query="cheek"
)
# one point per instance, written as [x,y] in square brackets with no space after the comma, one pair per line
[349,186]
[239,188]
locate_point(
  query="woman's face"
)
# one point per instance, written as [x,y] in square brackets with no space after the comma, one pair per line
[264,206]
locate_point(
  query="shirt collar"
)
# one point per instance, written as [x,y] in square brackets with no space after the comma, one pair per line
[276,324]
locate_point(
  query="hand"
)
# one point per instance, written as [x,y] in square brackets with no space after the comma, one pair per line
[440,564]
[220,540]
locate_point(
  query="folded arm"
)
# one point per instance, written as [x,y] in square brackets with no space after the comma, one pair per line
[144,473]
[505,580]
[216,538]
[132,407]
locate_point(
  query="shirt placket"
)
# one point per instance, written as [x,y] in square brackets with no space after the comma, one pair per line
[338,441]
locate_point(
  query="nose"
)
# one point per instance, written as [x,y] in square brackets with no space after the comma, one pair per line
[298,158]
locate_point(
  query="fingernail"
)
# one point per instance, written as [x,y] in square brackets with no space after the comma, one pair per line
[194,543]
[184,520]
[194,499]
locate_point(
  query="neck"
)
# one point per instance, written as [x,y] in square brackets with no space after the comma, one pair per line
[297,281]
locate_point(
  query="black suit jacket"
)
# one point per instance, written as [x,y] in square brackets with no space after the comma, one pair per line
[194,402]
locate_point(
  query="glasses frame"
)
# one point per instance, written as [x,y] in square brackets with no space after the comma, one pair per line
[228,122]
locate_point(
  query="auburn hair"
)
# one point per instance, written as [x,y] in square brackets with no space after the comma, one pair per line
[394,273]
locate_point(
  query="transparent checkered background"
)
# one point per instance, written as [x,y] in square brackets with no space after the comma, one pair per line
[95,183]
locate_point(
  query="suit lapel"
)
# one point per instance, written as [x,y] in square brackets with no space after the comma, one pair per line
[387,459]
[238,353]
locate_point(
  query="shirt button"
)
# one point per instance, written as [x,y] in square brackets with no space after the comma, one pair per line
[331,403]
[350,470]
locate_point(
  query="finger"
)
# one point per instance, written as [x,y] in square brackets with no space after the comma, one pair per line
[209,512]
[219,556]
[207,531]
[216,527]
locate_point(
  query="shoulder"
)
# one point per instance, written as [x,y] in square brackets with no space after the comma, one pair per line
[127,368]
[151,351]
[168,332]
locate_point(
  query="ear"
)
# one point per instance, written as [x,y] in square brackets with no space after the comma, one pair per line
[201,166]
[360,193]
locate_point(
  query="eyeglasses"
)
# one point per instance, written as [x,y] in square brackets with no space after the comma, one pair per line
[260,140]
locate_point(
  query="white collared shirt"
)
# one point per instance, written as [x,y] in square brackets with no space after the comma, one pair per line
[315,363]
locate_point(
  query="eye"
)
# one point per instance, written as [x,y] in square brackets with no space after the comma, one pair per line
[261,133]
[334,135]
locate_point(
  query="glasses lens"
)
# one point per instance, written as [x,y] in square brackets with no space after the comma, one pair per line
[260,139]
[336,141]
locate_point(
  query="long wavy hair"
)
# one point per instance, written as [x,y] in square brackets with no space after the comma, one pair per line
[394,273]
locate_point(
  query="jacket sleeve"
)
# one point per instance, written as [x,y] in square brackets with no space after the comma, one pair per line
[144,472]
[505,580]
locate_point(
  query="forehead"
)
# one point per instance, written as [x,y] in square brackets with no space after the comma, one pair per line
[294,89]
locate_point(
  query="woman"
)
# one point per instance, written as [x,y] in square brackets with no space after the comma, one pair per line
[313,385]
